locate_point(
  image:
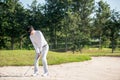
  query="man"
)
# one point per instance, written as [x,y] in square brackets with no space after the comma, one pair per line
[41,49]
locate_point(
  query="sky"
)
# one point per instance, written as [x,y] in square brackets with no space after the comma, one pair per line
[114,4]
[26,2]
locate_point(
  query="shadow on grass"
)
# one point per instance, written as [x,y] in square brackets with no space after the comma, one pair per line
[58,50]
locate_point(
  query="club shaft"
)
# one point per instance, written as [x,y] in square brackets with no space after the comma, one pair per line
[27,70]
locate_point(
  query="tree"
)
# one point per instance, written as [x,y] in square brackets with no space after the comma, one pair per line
[3,7]
[54,10]
[112,29]
[35,14]
[12,22]
[76,22]
[67,24]
[84,8]
[102,16]
[22,19]
[72,30]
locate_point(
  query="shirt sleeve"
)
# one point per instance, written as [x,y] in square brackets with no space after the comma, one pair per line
[36,48]
[41,41]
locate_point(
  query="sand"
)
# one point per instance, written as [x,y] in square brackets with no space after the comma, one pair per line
[99,68]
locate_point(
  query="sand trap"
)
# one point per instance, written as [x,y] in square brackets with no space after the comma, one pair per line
[99,68]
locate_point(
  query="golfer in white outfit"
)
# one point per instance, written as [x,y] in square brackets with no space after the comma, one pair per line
[41,49]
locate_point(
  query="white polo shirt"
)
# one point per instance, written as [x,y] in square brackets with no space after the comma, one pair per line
[38,41]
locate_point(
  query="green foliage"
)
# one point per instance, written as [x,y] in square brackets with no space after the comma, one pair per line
[13,22]
[66,24]
[102,16]
[112,29]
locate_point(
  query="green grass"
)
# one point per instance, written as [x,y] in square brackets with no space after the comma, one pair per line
[101,52]
[16,57]
[26,57]
[58,58]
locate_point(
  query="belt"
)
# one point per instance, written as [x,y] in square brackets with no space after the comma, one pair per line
[45,45]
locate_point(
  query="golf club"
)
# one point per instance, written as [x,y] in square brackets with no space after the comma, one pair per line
[27,70]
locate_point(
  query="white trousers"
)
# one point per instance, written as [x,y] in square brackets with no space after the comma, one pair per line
[43,55]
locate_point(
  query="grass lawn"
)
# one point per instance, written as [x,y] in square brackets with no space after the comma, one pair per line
[26,57]
[101,52]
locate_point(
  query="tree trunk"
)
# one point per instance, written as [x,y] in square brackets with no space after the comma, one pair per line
[55,38]
[113,47]
[100,42]
[21,43]
[66,43]
[12,43]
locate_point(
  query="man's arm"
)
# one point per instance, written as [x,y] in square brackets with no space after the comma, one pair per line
[41,41]
[35,47]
